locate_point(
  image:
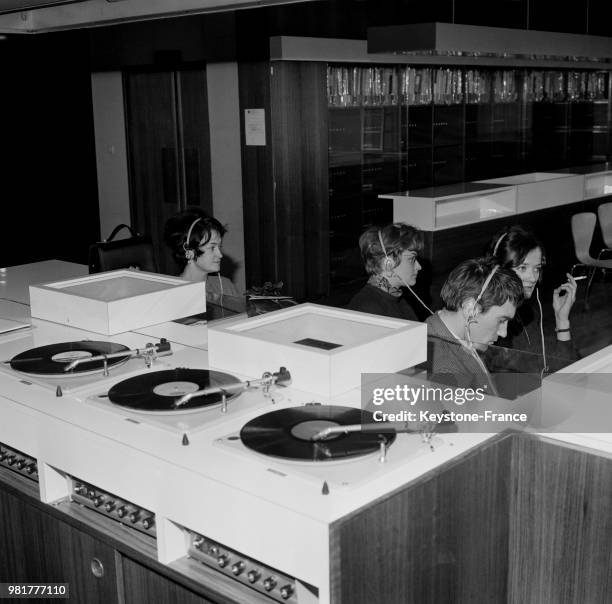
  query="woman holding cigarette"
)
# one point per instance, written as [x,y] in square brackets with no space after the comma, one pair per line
[518,249]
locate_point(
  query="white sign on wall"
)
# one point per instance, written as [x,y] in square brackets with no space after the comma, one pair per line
[255,127]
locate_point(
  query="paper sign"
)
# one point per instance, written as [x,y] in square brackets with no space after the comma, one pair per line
[255,127]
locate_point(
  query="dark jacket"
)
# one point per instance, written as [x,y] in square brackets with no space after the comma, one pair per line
[449,362]
[378,302]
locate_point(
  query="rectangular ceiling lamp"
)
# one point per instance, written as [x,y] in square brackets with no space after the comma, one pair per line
[452,39]
[11,6]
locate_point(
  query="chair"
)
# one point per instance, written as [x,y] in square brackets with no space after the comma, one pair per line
[583,227]
[604,212]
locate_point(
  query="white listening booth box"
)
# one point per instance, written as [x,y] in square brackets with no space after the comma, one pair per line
[326,349]
[117,301]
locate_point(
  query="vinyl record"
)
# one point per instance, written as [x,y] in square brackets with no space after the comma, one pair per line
[157,391]
[51,360]
[287,433]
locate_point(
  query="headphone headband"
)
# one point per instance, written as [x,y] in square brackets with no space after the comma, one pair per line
[186,243]
[190,254]
[382,244]
[499,240]
[389,263]
[486,283]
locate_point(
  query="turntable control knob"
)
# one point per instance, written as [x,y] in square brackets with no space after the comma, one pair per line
[10,460]
[133,517]
[269,584]
[92,493]
[21,464]
[31,468]
[238,567]
[213,550]
[3,454]
[198,542]
[148,522]
[80,490]
[286,591]
[109,506]
[121,512]
[253,576]
[222,560]
[97,501]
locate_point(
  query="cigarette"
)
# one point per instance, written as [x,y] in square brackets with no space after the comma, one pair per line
[580,278]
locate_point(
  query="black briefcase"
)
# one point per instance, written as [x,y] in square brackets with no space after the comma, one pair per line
[133,252]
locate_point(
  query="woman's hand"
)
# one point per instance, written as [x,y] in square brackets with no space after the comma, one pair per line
[563,302]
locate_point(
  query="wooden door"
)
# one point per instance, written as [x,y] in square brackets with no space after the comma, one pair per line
[143,586]
[168,148]
[37,548]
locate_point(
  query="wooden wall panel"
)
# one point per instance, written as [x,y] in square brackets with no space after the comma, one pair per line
[285,184]
[520,519]
[561,526]
[315,179]
[299,140]
[257,182]
[443,538]
[285,107]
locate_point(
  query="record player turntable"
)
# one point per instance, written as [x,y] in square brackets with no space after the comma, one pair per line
[69,366]
[330,446]
[183,400]
[290,434]
[180,390]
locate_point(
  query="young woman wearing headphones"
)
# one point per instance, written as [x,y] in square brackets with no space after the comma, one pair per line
[389,256]
[196,243]
[518,249]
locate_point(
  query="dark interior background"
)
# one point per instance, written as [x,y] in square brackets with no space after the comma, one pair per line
[47,156]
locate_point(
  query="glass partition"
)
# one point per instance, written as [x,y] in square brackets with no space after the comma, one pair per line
[504,372]
[400,127]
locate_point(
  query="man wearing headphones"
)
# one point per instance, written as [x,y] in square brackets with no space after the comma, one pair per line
[480,298]
[196,243]
[390,258]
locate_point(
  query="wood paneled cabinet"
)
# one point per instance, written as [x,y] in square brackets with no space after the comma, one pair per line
[36,545]
[142,585]
[168,148]
[519,519]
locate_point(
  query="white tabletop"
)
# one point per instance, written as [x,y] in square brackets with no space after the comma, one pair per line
[15,280]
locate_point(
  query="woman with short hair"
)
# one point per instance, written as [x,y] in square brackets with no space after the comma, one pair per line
[389,256]
[196,241]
